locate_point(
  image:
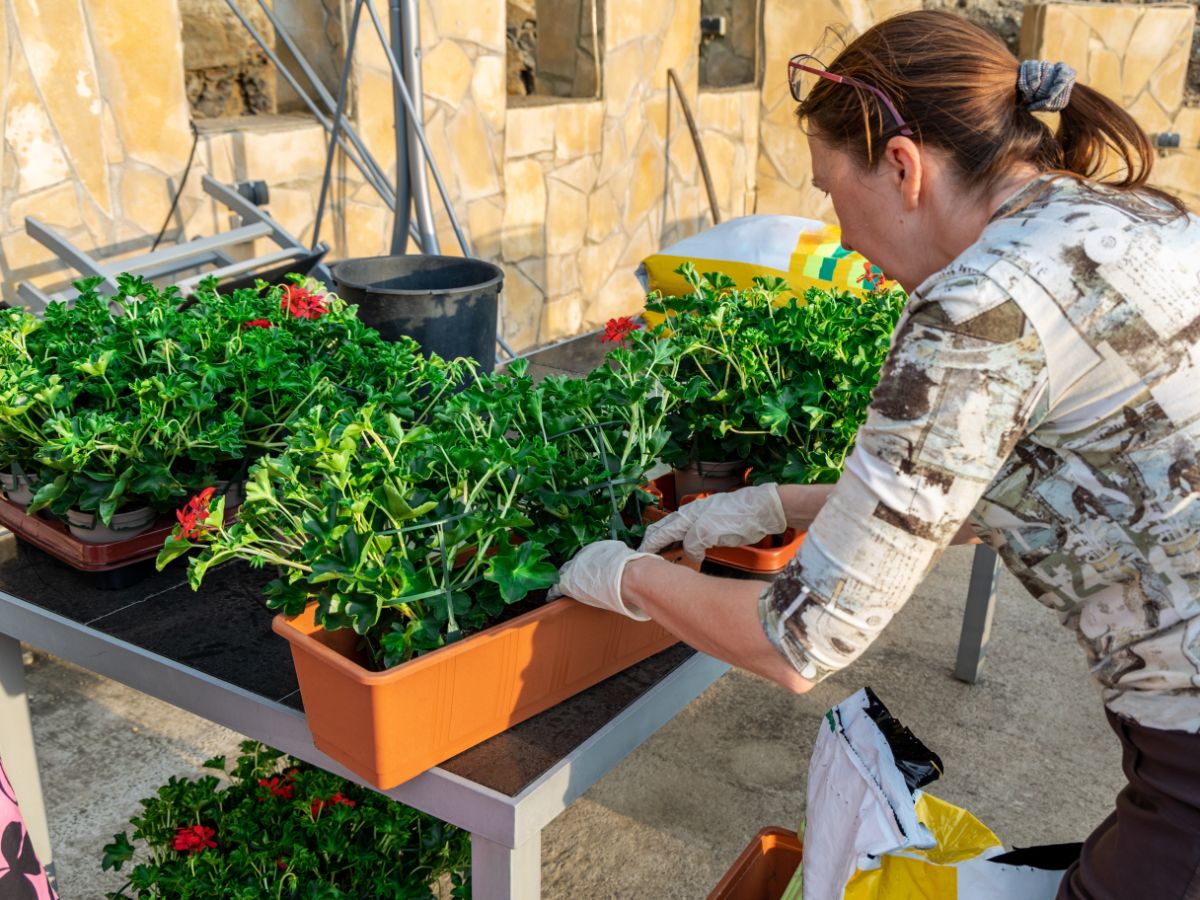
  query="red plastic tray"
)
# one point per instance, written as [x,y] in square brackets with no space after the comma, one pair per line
[767,557]
[52,536]
[764,869]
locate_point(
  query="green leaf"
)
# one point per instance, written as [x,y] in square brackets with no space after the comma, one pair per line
[521,569]
[116,854]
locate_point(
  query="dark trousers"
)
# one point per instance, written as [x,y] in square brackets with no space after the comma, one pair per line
[1149,846]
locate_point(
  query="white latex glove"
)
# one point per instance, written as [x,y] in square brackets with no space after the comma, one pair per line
[593,577]
[732,519]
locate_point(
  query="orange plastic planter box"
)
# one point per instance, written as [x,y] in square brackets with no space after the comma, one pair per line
[764,869]
[391,726]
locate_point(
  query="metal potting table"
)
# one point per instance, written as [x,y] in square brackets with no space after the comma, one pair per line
[213,654]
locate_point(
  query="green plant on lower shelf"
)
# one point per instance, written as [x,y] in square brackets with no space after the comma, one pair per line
[280,828]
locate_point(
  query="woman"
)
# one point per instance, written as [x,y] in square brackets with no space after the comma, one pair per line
[1041,385]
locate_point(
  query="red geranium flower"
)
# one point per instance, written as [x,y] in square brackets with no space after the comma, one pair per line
[336,800]
[191,517]
[618,329]
[257,323]
[278,786]
[301,303]
[193,838]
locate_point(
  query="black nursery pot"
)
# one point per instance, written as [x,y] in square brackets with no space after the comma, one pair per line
[448,304]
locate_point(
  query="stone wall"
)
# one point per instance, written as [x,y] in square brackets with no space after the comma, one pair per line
[1138,56]
[567,194]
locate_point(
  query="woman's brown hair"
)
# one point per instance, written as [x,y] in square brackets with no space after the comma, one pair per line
[955,84]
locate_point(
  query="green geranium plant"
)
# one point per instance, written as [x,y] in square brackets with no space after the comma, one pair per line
[144,398]
[782,387]
[280,828]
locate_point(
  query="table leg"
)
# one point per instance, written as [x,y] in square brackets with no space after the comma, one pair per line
[977,618]
[504,873]
[17,749]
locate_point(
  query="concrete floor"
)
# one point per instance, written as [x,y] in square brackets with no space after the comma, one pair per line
[1027,750]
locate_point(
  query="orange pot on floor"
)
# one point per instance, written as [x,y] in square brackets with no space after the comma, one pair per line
[391,726]
[764,869]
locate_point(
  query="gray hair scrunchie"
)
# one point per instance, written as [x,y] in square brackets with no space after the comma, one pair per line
[1044,86]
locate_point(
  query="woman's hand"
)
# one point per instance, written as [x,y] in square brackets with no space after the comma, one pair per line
[593,576]
[733,519]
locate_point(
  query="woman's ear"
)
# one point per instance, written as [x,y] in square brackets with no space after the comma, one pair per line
[903,162]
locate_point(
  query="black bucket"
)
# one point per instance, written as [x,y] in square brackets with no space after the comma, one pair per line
[447,304]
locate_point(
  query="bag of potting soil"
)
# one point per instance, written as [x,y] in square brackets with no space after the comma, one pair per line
[873,834]
[803,252]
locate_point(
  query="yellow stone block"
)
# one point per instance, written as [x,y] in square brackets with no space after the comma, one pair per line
[57,206]
[1104,74]
[524,227]
[654,110]
[1160,46]
[721,155]
[488,89]
[577,128]
[646,189]
[471,20]
[628,20]
[720,111]
[562,274]
[447,73]
[604,217]
[580,174]
[1147,112]
[24,259]
[474,153]
[367,230]
[138,46]
[1187,124]
[30,133]
[678,47]
[622,77]
[529,130]
[145,198]
[53,36]
[485,219]
[292,145]
[622,295]
[520,308]
[566,218]
[612,149]
[597,263]
[561,317]
[296,208]
[443,151]
[374,109]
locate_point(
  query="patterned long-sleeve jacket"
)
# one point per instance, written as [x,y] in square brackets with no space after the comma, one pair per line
[1046,387]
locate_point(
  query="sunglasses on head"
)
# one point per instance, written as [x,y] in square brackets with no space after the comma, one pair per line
[798,65]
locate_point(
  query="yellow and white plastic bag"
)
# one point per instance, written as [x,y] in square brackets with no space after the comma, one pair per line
[803,252]
[872,834]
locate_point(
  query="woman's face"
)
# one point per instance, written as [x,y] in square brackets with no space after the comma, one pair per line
[871,210]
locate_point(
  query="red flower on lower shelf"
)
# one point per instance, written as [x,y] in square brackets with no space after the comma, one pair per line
[257,323]
[191,517]
[278,786]
[618,329]
[336,800]
[193,838]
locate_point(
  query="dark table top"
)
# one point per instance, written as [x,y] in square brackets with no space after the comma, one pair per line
[224,631]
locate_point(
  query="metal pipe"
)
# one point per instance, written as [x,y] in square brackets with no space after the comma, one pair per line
[409,50]
[386,193]
[420,132]
[337,121]
[322,91]
[402,220]
[691,124]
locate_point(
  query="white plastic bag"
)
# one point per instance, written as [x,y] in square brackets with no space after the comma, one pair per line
[872,834]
